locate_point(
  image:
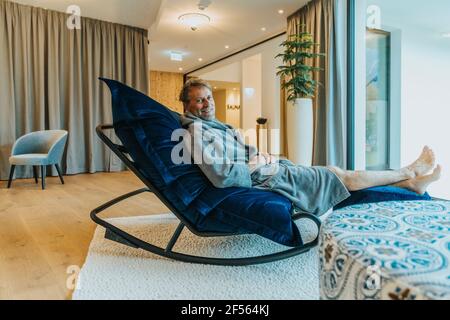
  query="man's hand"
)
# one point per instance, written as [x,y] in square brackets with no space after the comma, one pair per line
[258,160]
[263,159]
[270,159]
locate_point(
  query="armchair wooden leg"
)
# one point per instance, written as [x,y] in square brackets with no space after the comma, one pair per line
[35,174]
[59,173]
[43,174]
[11,174]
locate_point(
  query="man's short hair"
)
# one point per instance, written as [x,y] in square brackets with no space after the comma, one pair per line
[191,83]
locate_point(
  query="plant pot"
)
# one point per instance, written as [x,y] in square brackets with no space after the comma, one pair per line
[300,131]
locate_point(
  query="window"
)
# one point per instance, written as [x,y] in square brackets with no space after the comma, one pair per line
[399,86]
[377,99]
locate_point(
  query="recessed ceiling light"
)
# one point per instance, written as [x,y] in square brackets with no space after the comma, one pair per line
[180,69]
[200,59]
[176,56]
[227,47]
[194,20]
[263,29]
[281,11]
[215,88]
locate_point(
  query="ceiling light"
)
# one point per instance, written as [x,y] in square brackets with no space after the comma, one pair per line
[280,11]
[180,69]
[227,47]
[176,56]
[200,59]
[263,29]
[194,20]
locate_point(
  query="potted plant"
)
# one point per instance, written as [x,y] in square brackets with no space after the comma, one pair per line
[300,87]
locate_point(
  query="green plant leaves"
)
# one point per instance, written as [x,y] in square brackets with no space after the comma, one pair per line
[297,68]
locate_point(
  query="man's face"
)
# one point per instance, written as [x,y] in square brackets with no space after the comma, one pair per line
[201,103]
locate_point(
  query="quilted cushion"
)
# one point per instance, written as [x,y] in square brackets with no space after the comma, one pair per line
[35,159]
[145,128]
[381,194]
[259,209]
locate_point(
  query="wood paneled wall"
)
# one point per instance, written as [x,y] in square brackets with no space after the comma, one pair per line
[165,88]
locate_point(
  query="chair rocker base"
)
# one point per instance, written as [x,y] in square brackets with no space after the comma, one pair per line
[115,234]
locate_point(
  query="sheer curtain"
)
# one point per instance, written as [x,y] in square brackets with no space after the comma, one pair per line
[49,80]
[326,20]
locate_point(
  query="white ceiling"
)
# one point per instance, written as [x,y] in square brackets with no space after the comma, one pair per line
[236,23]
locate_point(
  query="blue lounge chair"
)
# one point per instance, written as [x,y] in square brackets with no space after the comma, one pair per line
[144,128]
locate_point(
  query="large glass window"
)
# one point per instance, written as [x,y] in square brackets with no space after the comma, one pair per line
[402,81]
[378,99]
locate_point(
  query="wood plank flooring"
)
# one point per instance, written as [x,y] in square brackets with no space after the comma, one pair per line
[42,233]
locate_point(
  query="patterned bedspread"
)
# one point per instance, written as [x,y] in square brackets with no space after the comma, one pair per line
[387,250]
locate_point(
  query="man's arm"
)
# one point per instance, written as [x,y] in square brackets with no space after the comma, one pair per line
[212,158]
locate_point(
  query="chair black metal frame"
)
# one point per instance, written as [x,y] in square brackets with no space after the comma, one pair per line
[115,234]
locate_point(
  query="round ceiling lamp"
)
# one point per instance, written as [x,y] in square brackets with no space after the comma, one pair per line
[194,20]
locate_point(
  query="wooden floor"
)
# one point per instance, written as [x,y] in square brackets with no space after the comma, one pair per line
[43,233]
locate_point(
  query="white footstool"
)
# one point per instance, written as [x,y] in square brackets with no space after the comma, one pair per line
[388,250]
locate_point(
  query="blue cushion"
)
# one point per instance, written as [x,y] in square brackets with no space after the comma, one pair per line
[145,128]
[381,194]
[268,214]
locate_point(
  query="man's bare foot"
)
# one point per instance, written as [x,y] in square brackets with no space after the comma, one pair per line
[422,165]
[420,184]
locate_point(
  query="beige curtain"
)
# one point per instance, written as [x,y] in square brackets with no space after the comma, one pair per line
[49,80]
[326,20]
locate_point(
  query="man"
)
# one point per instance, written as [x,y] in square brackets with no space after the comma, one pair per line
[314,190]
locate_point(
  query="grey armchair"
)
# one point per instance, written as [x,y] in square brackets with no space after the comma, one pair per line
[39,149]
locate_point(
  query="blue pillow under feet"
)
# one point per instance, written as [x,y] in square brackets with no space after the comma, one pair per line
[381,194]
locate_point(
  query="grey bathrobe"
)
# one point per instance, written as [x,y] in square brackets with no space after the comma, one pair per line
[228,166]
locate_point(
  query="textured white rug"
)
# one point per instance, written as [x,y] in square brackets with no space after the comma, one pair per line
[114,271]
